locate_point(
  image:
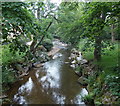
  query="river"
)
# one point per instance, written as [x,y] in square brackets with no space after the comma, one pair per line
[54,83]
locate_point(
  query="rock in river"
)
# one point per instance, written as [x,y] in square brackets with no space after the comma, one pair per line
[78,73]
[83,81]
[83,61]
[57,55]
[38,64]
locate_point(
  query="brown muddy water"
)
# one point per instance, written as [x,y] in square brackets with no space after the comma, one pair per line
[54,83]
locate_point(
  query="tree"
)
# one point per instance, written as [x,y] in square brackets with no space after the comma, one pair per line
[90,23]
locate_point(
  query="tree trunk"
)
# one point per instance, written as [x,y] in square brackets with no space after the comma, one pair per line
[97,50]
[33,45]
[112,33]
[98,39]
[42,38]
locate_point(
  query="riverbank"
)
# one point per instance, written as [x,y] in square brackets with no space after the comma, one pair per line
[89,75]
[102,78]
[21,67]
[54,83]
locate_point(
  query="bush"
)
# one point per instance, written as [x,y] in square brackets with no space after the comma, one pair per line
[8,76]
[8,58]
[88,99]
[113,82]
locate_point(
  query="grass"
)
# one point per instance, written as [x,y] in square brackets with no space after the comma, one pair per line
[109,56]
[109,61]
[86,50]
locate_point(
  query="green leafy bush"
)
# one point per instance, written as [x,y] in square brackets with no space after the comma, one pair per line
[8,75]
[113,82]
[88,99]
[9,56]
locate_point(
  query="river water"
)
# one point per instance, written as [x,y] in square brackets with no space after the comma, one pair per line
[54,83]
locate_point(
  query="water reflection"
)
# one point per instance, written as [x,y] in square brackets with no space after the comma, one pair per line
[55,83]
[53,74]
[60,99]
[23,90]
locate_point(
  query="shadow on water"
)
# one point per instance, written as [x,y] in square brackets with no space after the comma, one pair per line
[54,83]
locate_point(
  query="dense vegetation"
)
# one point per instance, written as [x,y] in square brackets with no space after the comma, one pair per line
[93,28]
[19,26]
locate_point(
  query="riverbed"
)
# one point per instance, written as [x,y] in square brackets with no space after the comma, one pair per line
[53,83]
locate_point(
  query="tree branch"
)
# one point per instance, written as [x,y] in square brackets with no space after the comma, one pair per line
[42,36]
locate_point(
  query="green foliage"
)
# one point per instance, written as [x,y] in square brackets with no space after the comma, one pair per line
[9,57]
[47,43]
[109,59]
[16,19]
[113,82]
[8,76]
[106,80]
[18,25]
[88,99]
[88,20]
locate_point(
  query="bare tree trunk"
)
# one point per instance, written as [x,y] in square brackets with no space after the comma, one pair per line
[112,33]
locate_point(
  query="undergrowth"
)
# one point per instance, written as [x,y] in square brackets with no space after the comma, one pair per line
[7,59]
[108,75]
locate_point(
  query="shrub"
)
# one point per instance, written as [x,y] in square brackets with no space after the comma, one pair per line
[88,99]
[9,57]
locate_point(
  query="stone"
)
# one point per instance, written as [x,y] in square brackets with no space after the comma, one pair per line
[78,73]
[79,58]
[83,61]
[73,56]
[83,81]
[73,66]
[38,64]
[43,57]
[57,55]
[66,62]
[19,67]
[3,96]
[73,62]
